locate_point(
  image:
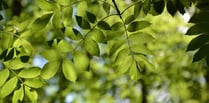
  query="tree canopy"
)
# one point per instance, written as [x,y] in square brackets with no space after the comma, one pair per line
[104,51]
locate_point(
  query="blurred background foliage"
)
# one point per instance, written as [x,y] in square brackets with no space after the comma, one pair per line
[175,78]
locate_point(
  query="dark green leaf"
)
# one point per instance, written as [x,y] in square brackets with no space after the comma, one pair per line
[159,6]
[171,7]
[106,7]
[198,42]
[82,23]
[41,22]
[104,25]
[1,17]
[137,9]
[180,6]
[25,58]
[91,17]
[201,17]
[203,6]
[146,6]
[10,55]
[129,19]
[117,26]
[138,25]
[92,47]
[200,28]
[201,53]
[3,5]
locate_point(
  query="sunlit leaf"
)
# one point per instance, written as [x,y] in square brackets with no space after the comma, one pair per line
[45,5]
[50,69]
[41,22]
[31,94]
[138,25]
[91,17]
[64,46]
[81,60]
[143,59]
[115,47]
[92,47]
[34,83]
[51,55]
[81,8]
[201,53]
[15,64]
[8,87]
[134,71]
[73,34]
[68,69]
[141,49]
[82,22]
[97,35]
[4,74]
[140,38]
[104,25]
[63,2]
[18,95]
[198,42]
[124,64]
[30,72]
[57,19]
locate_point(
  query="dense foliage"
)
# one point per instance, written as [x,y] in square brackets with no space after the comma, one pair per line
[103,51]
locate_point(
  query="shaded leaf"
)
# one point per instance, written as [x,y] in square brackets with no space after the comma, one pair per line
[4,74]
[91,17]
[201,53]
[200,17]
[30,72]
[198,42]
[138,25]
[68,69]
[146,6]
[8,87]
[1,17]
[199,28]
[159,6]
[129,19]
[180,6]
[41,22]
[103,25]
[25,58]
[50,69]
[171,7]
[34,83]
[82,22]
[106,7]
[18,95]
[117,26]
[140,38]
[134,71]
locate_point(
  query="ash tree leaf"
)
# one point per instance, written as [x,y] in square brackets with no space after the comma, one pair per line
[81,60]
[92,47]
[4,75]
[45,5]
[200,17]
[171,7]
[25,58]
[198,42]
[134,71]
[15,64]
[18,95]
[180,6]
[34,83]
[201,53]
[68,69]
[138,25]
[91,17]
[10,54]
[64,46]
[103,25]
[8,87]
[129,19]
[159,6]
[97,35]
[140,38]
[30,72]
[137,9]
[106,7]
[3,54]
[41,22]
[57,19]
[31,94]
[146,6]
[117,26]
[50,69]
[82,22]
[199,28]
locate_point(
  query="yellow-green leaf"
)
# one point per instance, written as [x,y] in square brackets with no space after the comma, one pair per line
[68,70]
[8,87]
[81,60]
[4,74]
[50,69]
[31,94]
[34,83]
[18,95]
[30,72]
[92,47]
[41,22]
[45,5]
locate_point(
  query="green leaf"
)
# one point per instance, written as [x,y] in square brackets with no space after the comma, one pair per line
[10,54]
[4,74]
[123,63]
[91,17]
[18,95]
[31,94]
[24,58]
[82,22]
[97,35]
[143,59]
[34,83]
[47,54]
[57,19]
[106,7]
[141,49]
[30,72]
[50,69]
[116,46]
[73,34]
[201,17]
[207,60]
[129,19]
[92,47]
[41,22]
[138,25]
[45,5]
[146,6]
[199,28]
[140,38]
[63,2]
[180,6]
[134,71]
[137,9]
[198,42]
[68,69]
[171,7]
[117,26]
[159,6]
[8,87]
[64,46]
[103,25]
[81,60]
[201,53]
[15,64]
